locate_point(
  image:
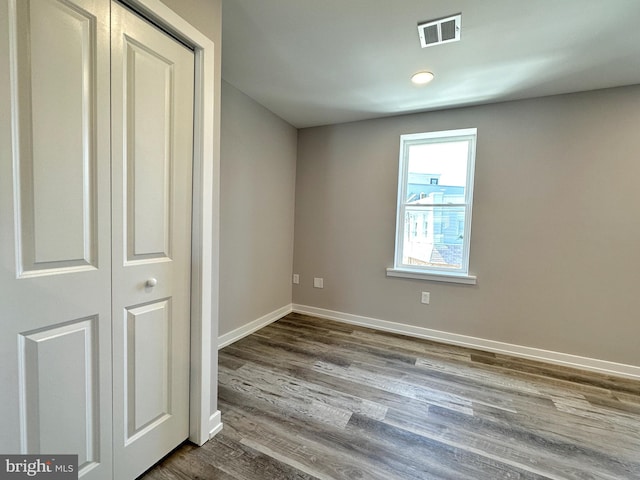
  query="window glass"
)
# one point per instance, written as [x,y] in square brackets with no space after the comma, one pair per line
[435,200]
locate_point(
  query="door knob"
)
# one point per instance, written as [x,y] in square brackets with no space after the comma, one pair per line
[152,282]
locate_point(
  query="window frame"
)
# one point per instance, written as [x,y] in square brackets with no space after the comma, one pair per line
[400,269]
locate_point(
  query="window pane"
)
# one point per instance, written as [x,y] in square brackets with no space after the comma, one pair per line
[434,237]
[437,172]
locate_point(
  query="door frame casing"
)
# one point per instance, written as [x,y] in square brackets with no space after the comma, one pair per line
[203,422]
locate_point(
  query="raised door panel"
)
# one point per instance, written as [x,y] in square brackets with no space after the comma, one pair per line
[54,69]
[148,373]
[59,391]
[149,90]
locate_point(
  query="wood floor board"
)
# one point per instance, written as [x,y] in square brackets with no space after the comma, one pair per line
[307,398]
[250,464]
[313,447]
[381,363]
[555,444]
[289,365]
[350,341]
[572,375]
[185,464]
[440,459]
[389,346]
[299,351]
[507,441]
[340,344]
[230,362]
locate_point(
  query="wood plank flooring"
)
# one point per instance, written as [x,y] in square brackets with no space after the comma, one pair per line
[308,398]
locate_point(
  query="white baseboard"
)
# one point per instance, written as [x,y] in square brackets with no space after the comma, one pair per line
[215,424]
[249,328]
[557,358]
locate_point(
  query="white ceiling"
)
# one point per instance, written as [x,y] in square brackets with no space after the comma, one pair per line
[317,62]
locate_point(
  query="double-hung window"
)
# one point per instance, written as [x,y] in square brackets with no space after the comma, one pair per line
[435,195]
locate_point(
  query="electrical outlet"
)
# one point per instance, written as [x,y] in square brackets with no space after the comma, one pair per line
[425,297]
[296,278]
[318,282]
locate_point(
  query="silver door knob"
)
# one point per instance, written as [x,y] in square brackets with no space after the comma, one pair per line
[152,282]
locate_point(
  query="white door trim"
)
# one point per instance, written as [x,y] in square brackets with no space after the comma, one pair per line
[206,211]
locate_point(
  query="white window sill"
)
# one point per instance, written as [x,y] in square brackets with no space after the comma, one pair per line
[435,277]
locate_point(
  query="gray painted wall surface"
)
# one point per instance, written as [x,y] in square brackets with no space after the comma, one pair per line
[205,15]
[555,234]
[258,168]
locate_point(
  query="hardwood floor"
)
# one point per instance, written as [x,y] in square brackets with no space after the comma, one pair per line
[308,398]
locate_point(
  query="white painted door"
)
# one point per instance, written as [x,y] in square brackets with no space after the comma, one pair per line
[95,232]
[152,140]
[55,240]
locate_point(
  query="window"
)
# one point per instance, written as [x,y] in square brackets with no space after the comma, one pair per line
[435,190]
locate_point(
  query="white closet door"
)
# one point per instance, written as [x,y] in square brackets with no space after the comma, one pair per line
[55,239]
[152,145]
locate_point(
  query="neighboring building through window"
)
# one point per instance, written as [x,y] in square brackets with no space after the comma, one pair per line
[435,192]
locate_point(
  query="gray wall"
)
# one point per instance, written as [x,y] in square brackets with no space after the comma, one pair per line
[205,15]
[258,167]
[555,235]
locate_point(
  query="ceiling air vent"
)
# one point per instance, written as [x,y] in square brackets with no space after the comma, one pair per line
[437,32]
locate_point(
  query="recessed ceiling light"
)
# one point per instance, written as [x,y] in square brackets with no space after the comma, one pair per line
[422,78]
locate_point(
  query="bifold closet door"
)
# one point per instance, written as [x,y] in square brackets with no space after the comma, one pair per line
[152,149]
[55,238]
[95,235]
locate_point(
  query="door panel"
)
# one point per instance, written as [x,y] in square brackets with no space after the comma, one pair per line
[152,144]
[55,238]
[149,84]
[148,376]
[55,79]
[59,390]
